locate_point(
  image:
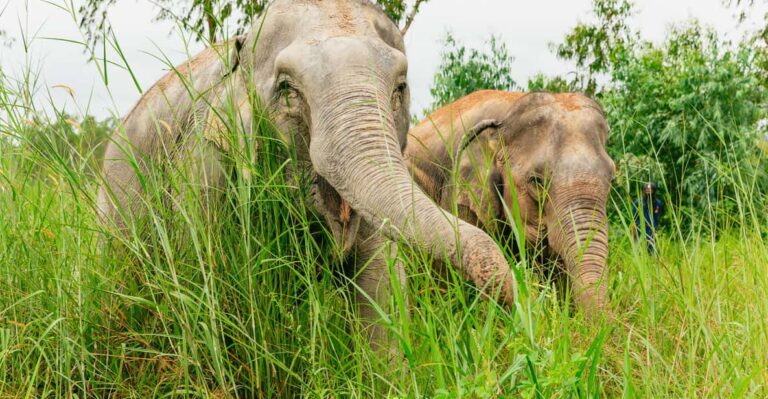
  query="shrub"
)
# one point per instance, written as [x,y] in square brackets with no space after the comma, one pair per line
[463,71]
[690,109]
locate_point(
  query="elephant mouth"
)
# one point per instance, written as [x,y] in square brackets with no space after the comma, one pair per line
[343,222]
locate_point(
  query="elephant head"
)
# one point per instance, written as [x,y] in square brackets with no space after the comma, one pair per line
[333,75]
[540,155]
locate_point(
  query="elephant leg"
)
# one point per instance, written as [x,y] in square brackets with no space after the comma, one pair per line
[379,272]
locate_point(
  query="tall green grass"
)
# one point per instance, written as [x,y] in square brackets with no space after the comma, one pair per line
[251,300]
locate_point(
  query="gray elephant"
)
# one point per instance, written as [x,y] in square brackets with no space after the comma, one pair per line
[332,75]
[493,152]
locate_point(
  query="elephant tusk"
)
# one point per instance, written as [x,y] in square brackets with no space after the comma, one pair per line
[345,216]
[345,213]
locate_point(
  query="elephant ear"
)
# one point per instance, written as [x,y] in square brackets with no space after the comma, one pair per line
[234,48]
[478,201]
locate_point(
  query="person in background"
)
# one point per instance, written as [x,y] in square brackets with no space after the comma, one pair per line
[651,209]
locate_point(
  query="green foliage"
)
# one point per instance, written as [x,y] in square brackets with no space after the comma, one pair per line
[254,307]
[690,109]
[463,71]
[251,302]
[79,145]
[208,20]
[396,9]
[554,84]
[745,8]
[597,48]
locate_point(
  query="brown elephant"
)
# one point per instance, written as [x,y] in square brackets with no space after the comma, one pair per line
[493,153]
[332,75]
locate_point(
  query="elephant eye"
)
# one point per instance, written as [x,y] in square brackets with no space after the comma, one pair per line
[536,186]
[287,94]
[398,96]
[536,181]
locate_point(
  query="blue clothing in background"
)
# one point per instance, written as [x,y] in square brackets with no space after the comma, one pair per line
[652,211]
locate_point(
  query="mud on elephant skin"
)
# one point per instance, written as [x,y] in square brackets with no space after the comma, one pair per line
[332,75]
[543,153]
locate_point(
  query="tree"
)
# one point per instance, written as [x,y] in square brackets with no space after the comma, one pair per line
[554,84]
[209,19]
[396,9]
[596,48]
[744,7]
[686,113]
[759,37]
[463,71]
[205,18]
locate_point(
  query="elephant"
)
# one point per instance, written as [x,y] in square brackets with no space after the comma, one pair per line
[492,153]
[332,76]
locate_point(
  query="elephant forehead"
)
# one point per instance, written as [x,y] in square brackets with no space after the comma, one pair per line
[323,19]
[340,20]
[582,130]
[337,51]
[303,29]
[488,103]
[570,101]
[316,66]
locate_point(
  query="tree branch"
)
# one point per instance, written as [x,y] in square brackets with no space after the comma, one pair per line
[411,16]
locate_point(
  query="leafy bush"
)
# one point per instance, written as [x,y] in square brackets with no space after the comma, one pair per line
[691,108]
[463,71]
[597,48]
[553,84]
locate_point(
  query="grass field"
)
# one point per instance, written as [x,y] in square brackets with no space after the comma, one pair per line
[255,303]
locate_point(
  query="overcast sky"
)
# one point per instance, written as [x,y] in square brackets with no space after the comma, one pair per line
[527,27]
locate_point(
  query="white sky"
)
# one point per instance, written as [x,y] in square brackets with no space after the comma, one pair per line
[527,27]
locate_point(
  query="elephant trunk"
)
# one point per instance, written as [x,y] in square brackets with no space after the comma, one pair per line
[579,234]
[355,147]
